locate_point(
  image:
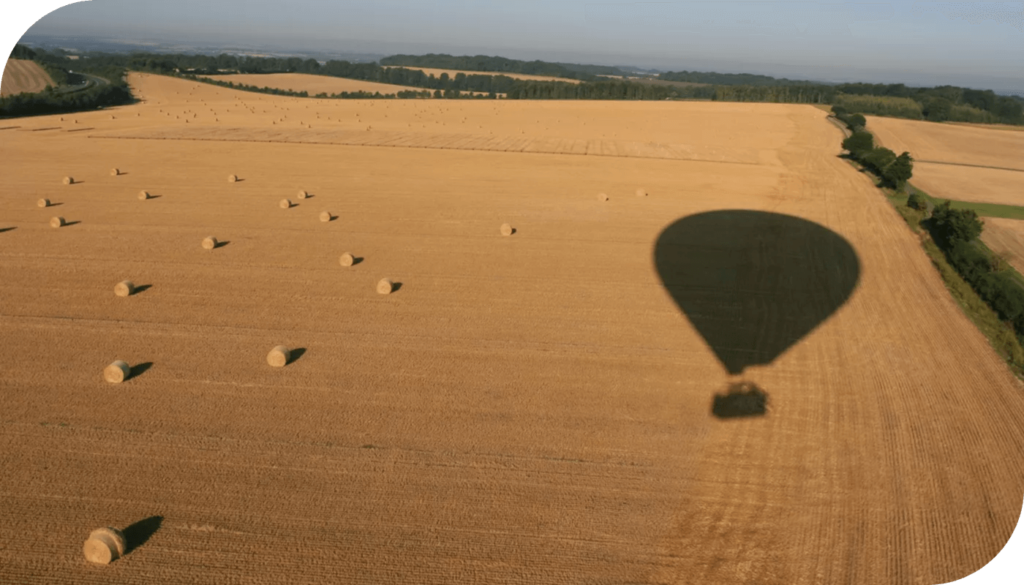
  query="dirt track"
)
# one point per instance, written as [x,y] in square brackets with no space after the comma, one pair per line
[525,409]
[22,75]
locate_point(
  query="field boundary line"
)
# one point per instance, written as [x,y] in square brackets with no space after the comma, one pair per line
[517,149]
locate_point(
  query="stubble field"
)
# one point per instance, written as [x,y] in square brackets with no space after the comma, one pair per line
[22,75]
[1006,238]
[959,162]
[525,409]
[313,84]
[523,76]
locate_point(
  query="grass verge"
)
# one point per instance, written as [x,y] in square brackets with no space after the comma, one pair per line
[999,334]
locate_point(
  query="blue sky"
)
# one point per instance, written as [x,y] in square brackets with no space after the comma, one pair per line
[979,44]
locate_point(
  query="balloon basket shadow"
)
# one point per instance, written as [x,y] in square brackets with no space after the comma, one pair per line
[740,400]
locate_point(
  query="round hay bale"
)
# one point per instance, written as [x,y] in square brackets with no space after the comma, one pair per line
[115,172]
[143,195]
[232,178]
[385,286]
[325,216]
[43,203]
[641,193]
[506,229]
[279,356]
[347,259]
[209,243]
[302,195]
[125,288]
[285,203]
[104,546]
[56,222]
[68,180]
[117,372]
[602,197]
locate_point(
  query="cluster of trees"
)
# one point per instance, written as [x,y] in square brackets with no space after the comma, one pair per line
[789,94]
[64,99]
[940,104]
[630,90]
[503,65]
[713,78]
[355,95]
[894,170]
[896,107]
[854,121]
[194,65]
[53,101]
[956,232]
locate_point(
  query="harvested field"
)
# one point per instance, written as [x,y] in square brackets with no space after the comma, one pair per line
[22,75]
[1006,238]
[957,161]
[313,84]
[534,409]
[524,76]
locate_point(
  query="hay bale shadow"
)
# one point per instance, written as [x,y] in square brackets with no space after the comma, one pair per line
[355,259]
[139,369]
[396,286]
[55,205]
[7,229]
[741,400]
[295,354]
[141,288]
[139,533]
[71,223]
[221,244]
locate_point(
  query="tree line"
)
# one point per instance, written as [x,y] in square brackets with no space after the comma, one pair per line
[503,65]
[956,231]
[712,78]
[63,99]
[936,104]
[360,95]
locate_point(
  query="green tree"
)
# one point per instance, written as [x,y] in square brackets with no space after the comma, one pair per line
[856,121]
[956,225]
[859,142]
[917,201]
[878,160]
[937,109]
[899,172]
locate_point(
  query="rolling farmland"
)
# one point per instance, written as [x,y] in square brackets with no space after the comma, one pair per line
[523,76]
[533,408]
[21,75]
[313,84]
[957,161]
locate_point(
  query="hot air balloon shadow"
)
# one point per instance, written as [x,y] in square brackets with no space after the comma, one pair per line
[753,283]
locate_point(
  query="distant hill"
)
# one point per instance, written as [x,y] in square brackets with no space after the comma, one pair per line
[731,78]
[484,63]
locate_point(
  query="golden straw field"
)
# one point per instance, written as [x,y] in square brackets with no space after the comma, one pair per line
[956,161]
[313,84]
[523,76]
[532,408]
[22,75]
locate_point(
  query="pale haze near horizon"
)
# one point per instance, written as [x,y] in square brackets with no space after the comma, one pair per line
[974,44]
